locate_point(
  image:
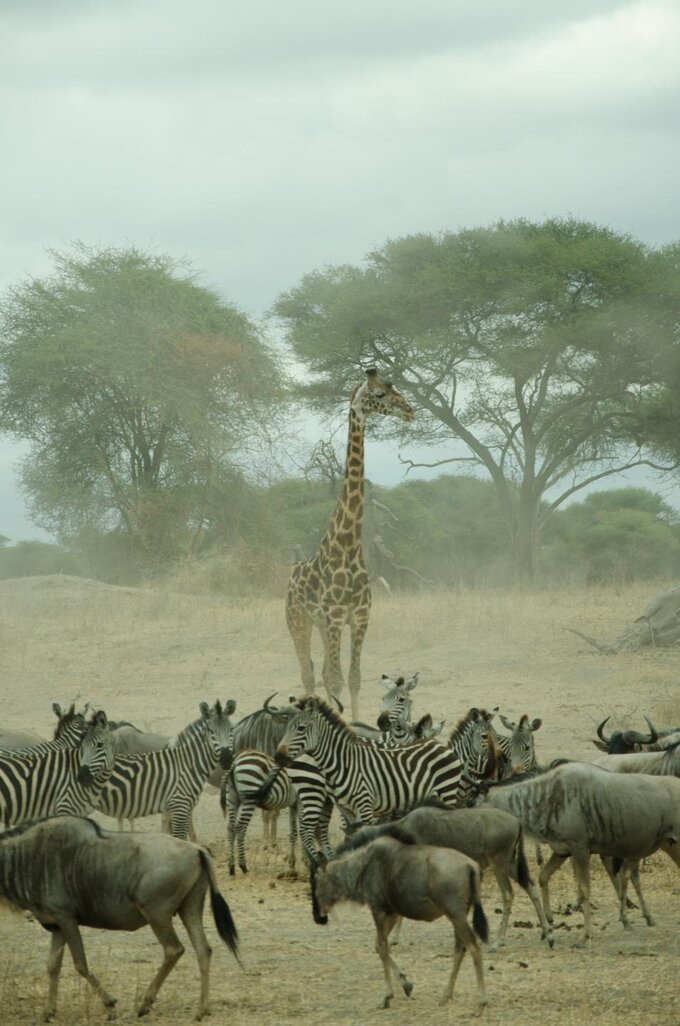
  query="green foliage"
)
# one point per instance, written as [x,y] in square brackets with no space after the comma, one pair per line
[138,390]
[34,558]
[533,344]
[616,536]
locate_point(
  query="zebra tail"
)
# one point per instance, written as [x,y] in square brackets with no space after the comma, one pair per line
[223,793]
[479,921]
[224,921]
[263,790]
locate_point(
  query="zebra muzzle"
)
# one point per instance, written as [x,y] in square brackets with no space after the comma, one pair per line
[282,759]
[85,778]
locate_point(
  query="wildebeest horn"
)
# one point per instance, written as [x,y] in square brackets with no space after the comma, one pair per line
[600,732]
[282,713]
[337,701]
[653,733]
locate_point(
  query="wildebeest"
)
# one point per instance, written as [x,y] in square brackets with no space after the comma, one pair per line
[489,836]
[621,741]
[69,873]
[580,809]
[662,763]
[384,868]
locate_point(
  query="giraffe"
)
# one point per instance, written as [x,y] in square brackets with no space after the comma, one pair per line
[331,589]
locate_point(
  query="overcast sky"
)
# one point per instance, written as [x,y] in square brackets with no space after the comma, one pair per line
[265,139]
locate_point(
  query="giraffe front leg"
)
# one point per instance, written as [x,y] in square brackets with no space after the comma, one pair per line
[300,628]
[358,628]
[332,669]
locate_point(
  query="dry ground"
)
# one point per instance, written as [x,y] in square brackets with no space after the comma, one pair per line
[151,657]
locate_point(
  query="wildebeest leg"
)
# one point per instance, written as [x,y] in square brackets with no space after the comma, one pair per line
[551,866]
[581,862]
[464,939]
[72,937]
[396,933]
[383,925]
[54,961]
[173,949]
[519,871]
[635,877]
[506,894]
[191,914]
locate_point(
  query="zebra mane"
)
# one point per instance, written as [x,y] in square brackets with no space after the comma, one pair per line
[368,834]
[471,718]
[328,713]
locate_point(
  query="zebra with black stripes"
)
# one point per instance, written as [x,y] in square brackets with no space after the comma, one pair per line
[474,741]
[67,734]
[518,749]
[171,779]
[57,781]
[368,780]
[301,788]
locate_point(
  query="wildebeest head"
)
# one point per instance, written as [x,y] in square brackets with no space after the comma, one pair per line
[620,742]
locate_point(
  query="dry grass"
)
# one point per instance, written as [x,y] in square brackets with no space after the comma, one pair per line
[152,656]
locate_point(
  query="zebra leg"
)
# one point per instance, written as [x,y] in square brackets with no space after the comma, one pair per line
[245,816]
[292,835]
[179,814]
[54,962]
[233,803]
[173,949]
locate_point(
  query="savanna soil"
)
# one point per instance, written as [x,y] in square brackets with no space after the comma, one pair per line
[151,657]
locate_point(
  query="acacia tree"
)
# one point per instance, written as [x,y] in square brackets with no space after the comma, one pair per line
[139,391]
[529,343]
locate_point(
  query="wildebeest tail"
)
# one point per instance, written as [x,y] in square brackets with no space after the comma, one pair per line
[479,921]
[523,877]
[224,920]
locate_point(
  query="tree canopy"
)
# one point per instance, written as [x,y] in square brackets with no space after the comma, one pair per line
[534,344]
[140,391]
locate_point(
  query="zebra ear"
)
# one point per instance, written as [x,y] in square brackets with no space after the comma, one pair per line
[412,681]
[100,718]
[386,680]
[205,709]
[56,709]
[535,724]
[229,706]
[508,724]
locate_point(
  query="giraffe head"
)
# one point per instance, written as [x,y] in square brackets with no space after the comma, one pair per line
[376,395]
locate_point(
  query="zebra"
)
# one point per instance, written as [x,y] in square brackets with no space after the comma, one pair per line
[67,734]
[301,788]
[368,780]
[475,743]
[61,781]
[171,779]
[519,753]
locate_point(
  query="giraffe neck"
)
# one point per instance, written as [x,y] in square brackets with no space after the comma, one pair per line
[345,524]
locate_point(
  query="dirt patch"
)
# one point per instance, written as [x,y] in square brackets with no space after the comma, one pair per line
[152,657]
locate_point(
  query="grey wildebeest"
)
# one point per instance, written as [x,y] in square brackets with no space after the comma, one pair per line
[68,872]
[663,763]
[489,836]
[580,809]
[383,867]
